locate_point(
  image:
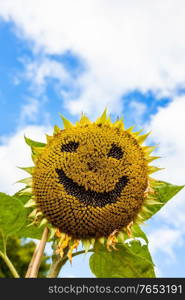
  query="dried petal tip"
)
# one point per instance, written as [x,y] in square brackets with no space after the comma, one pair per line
[72,247]
[112,240]
[129,229]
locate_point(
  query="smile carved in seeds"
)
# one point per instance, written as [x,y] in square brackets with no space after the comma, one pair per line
[90,197]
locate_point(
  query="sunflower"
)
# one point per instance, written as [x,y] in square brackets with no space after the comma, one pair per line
[91,181]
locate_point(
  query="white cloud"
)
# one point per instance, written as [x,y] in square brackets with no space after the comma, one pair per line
[29,111]
[39,71]
[14,153]
[165,240]
[126,45]
[168,130]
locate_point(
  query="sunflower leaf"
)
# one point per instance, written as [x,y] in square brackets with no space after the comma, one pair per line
[33,232]
[137,232]
[26,231]
[12,214]
[131,260]
[163,192]
[23,198]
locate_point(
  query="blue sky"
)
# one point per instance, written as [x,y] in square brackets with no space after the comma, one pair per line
[80,61]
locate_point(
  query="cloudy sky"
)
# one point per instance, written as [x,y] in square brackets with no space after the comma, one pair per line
[80,56]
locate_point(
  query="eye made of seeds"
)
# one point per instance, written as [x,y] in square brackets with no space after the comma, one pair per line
[70,147]
[115,152]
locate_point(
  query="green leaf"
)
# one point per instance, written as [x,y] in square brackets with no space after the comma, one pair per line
[33,143]
[137,232]
[12,214]
[26,231]
[33,231]
[22,198]
[163,192]
[131,260]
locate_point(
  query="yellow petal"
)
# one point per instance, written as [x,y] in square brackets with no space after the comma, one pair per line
[130,129]
[67,123]
[143,137]
[49,138]
[84,120]
[56,129]
[102,119]
[149,149]
[70,251]
[153,169]
[137,133]
[119,124]
[151,158]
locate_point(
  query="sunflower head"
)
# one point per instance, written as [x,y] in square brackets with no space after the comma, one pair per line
[91,179]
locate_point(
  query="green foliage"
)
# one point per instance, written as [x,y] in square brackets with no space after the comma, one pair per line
[163,192]
[20,252]
[12,215]
[129,260]
[33,231]
[32,143]
[28,231]
[14,218]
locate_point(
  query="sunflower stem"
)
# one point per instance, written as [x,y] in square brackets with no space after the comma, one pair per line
[35,262]
[59,262]
[9,264]
[55,267]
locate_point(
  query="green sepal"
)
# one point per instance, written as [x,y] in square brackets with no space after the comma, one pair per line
[33,143]
[30,203]
[43,222]
[29,170]
[27,181]
[26,191]
[86,244]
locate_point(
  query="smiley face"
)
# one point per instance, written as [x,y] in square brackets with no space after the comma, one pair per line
[90,180]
